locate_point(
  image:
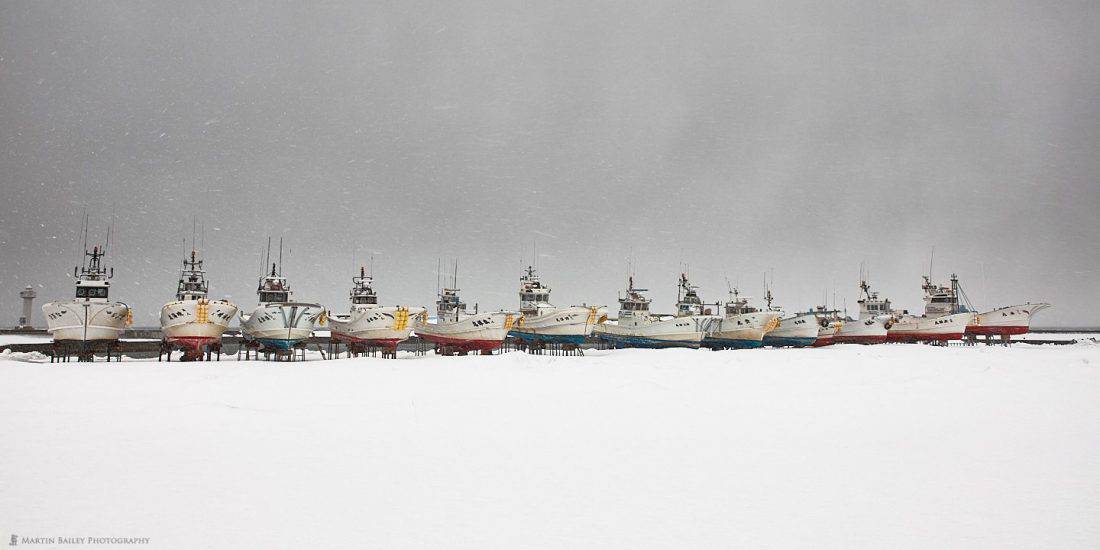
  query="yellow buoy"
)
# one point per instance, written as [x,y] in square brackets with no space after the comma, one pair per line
[401,318]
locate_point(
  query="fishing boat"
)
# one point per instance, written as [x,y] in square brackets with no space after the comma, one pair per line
[870,327]
[277,323]
[1005,321]
[944,317]
[798,330]
[369,324]
[194,322]
[829,324]
[690,306]
[636,327]
[743,326]
[458,332]
[541,322]
[90,320]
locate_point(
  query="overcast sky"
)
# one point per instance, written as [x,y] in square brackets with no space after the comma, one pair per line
[800,138]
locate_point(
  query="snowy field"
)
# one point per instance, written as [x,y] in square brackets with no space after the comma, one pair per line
[892,446]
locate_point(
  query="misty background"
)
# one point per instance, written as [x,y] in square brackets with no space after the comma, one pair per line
[798,138]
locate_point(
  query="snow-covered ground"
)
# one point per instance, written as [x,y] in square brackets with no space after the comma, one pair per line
[893,446]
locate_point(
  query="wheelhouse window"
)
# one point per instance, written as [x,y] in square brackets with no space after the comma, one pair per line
[91,292]
[365,300]
[272,296]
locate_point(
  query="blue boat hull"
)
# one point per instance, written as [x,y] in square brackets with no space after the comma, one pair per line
[528,337]
[277,343]
[729,343]
[639,342]
[788,342]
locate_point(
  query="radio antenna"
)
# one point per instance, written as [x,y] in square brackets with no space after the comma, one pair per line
[267,257]
[84,229]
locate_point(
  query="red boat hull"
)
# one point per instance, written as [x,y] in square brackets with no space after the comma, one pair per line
[461,344]
[984,330]
[866,339]
[388,343]
[923,337]
[821,342]
[192,343]
[192,346]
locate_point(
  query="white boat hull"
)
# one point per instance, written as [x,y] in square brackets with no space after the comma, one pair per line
[865,331]
[82,321]
[384,326]
[194,325]
[911,328]
[281,325]
[674,332]
[182,319]
[797,331]
[745,330]
[480,332]
[1005,321]
[826,334]
[569,325]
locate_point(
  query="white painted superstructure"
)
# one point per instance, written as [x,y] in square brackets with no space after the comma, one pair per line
[870,327]
[944,318]
[193,321]
[91,316]
[797,330]
[541,321]
[637,327]
[743,326]
[369,323]
[277,322]
[457,331]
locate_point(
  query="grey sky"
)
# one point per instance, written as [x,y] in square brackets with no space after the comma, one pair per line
[803,137]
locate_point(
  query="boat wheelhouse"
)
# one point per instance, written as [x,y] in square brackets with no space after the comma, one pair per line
[457,331]
[369,325]
[542,323]
[944,317]
[742,325]
[90,317]
[874,315]
[277,323]
[637,327]
[193,322]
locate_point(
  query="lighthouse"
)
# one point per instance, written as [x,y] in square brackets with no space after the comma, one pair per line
[28,296]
